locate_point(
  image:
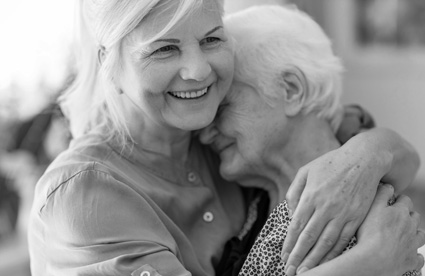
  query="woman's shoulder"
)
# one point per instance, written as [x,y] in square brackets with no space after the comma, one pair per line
[83,154]
[85,163]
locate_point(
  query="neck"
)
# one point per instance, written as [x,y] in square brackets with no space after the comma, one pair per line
[171,143]
[155,136]
[304,140]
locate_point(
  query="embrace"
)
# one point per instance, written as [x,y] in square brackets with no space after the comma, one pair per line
[196,138]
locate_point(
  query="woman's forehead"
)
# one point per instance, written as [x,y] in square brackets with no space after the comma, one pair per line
[163,13]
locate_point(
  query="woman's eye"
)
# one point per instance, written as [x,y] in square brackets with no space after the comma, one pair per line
[210,41]
[165,50]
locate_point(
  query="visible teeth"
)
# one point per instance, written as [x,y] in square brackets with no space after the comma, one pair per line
[189,95]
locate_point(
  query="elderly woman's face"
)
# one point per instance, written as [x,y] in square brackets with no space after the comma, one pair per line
[179,80]
[246,132]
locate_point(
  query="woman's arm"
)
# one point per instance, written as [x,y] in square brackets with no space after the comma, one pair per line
[402,162]
[387,245]
[331,195]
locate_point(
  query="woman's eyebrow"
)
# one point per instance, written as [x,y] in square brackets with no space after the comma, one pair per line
[168,40]
[213,30]
[177,41]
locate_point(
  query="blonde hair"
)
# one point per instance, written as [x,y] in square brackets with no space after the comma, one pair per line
[271,40]
[91,102]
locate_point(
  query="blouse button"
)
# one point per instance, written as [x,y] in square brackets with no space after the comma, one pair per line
[208,216]
[191,177]
[145,273]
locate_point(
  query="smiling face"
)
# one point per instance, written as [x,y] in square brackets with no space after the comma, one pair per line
[178,80]
[246,133]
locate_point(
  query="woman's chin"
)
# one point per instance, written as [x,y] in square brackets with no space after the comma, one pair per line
[191,122]
[198,124]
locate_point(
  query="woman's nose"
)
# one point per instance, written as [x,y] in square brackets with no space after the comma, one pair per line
[195,67]
[208,134]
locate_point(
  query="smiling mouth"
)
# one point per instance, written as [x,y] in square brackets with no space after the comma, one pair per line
[189,94]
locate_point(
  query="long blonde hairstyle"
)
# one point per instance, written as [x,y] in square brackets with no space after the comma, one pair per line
[101,25]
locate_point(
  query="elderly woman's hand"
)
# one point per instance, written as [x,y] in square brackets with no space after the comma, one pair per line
[331,195]
[387,242]
[392,234]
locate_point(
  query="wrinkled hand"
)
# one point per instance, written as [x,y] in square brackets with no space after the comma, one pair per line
[392,235]
[331,197]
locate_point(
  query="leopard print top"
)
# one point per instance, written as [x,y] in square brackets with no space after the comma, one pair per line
[264,258]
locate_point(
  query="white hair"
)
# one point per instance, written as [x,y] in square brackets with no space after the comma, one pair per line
[91,102]
[270,40]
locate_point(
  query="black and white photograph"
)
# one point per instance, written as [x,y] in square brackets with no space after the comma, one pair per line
[212,137]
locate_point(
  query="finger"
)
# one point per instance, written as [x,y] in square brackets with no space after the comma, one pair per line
[345,239]
[420,238]
[297,225]
[307,239]
[295,191]
[385,193]
[405,201]
[324,244]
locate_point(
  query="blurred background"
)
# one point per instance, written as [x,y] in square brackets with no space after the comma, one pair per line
[382,43]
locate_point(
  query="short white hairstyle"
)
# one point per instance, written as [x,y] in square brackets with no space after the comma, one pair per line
[91,102]
[271,40]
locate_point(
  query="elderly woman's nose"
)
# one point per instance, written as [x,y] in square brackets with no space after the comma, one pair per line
[208,134]
[195,66]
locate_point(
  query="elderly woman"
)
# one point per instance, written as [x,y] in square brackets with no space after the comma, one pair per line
[135,194]
[281,113]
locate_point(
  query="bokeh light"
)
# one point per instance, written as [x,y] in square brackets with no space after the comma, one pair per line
[34,51]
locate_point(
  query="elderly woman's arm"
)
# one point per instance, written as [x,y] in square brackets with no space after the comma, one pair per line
[331,195]
[388,240]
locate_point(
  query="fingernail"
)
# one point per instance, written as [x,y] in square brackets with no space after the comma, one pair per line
[285,257]
[290,271]
[302,269]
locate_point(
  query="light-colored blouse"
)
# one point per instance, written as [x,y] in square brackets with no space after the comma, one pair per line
[101,210]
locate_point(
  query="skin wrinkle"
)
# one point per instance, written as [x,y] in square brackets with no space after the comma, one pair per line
[187,43]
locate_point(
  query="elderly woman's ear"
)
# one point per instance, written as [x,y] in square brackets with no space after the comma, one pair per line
[295,87]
